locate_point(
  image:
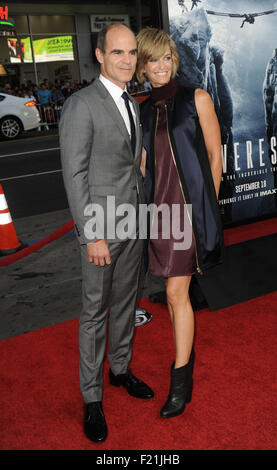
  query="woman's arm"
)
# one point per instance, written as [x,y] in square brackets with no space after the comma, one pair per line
[211,132]
[143,162]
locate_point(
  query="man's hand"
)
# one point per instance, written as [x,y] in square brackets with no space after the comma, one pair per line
[98,253]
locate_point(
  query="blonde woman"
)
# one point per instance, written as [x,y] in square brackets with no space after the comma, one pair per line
[182,166]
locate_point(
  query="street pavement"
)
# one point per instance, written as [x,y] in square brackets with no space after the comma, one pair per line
[31,175]
[44,288]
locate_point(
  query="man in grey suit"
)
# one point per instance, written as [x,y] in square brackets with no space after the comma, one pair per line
[100,140]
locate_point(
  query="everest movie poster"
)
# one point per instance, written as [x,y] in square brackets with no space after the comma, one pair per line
[230,50]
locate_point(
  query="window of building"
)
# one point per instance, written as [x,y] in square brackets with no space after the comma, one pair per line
[45,47]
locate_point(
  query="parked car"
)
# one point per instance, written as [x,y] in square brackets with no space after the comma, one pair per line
[17,115]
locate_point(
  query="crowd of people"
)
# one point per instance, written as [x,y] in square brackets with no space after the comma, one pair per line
[50,96]
[49,93]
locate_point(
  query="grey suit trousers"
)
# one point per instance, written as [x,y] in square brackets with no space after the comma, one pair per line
[109,290]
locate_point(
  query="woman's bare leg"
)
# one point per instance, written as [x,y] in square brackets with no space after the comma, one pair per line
[182,317]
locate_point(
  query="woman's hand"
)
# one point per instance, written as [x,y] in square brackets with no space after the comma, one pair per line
[143,162]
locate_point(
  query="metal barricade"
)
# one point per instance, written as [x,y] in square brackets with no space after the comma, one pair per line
[49,115]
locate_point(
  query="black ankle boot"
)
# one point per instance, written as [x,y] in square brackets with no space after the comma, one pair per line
[180,389]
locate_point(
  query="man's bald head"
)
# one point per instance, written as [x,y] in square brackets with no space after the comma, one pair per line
[101,38]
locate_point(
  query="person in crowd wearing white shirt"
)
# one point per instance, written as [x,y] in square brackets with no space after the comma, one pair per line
[29,95]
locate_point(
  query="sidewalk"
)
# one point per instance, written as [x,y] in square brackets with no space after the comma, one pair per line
[44,288]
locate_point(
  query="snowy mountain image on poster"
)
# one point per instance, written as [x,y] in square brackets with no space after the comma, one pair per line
[230,50]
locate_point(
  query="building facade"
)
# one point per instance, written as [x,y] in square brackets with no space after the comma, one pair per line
[56,41]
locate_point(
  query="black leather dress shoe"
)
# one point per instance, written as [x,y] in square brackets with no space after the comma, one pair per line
[95,427]
[134,386]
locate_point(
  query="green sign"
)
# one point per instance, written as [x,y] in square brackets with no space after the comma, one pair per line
[45,50]
[6,23]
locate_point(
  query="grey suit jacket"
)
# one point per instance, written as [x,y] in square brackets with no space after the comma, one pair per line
[96,154]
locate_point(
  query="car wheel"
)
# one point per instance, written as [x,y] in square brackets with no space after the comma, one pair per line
[10,127]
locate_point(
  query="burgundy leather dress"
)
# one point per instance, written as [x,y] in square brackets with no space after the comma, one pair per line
[169,255]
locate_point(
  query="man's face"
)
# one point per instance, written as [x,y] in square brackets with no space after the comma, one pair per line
[118,63]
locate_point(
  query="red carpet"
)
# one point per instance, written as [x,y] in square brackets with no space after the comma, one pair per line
[60,232]
[234,401]
[250,231]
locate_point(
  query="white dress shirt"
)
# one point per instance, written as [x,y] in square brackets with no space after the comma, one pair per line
[116,92]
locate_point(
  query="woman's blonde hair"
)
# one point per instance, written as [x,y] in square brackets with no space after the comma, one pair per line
[152,44]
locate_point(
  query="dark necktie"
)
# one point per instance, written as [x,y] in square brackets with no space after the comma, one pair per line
[132,124]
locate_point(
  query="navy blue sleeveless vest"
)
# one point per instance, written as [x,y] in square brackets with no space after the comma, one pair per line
[193,168]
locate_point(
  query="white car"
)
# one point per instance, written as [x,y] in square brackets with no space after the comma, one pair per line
[17,115]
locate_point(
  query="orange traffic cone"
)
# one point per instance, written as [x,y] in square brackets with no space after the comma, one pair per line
[9,242]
